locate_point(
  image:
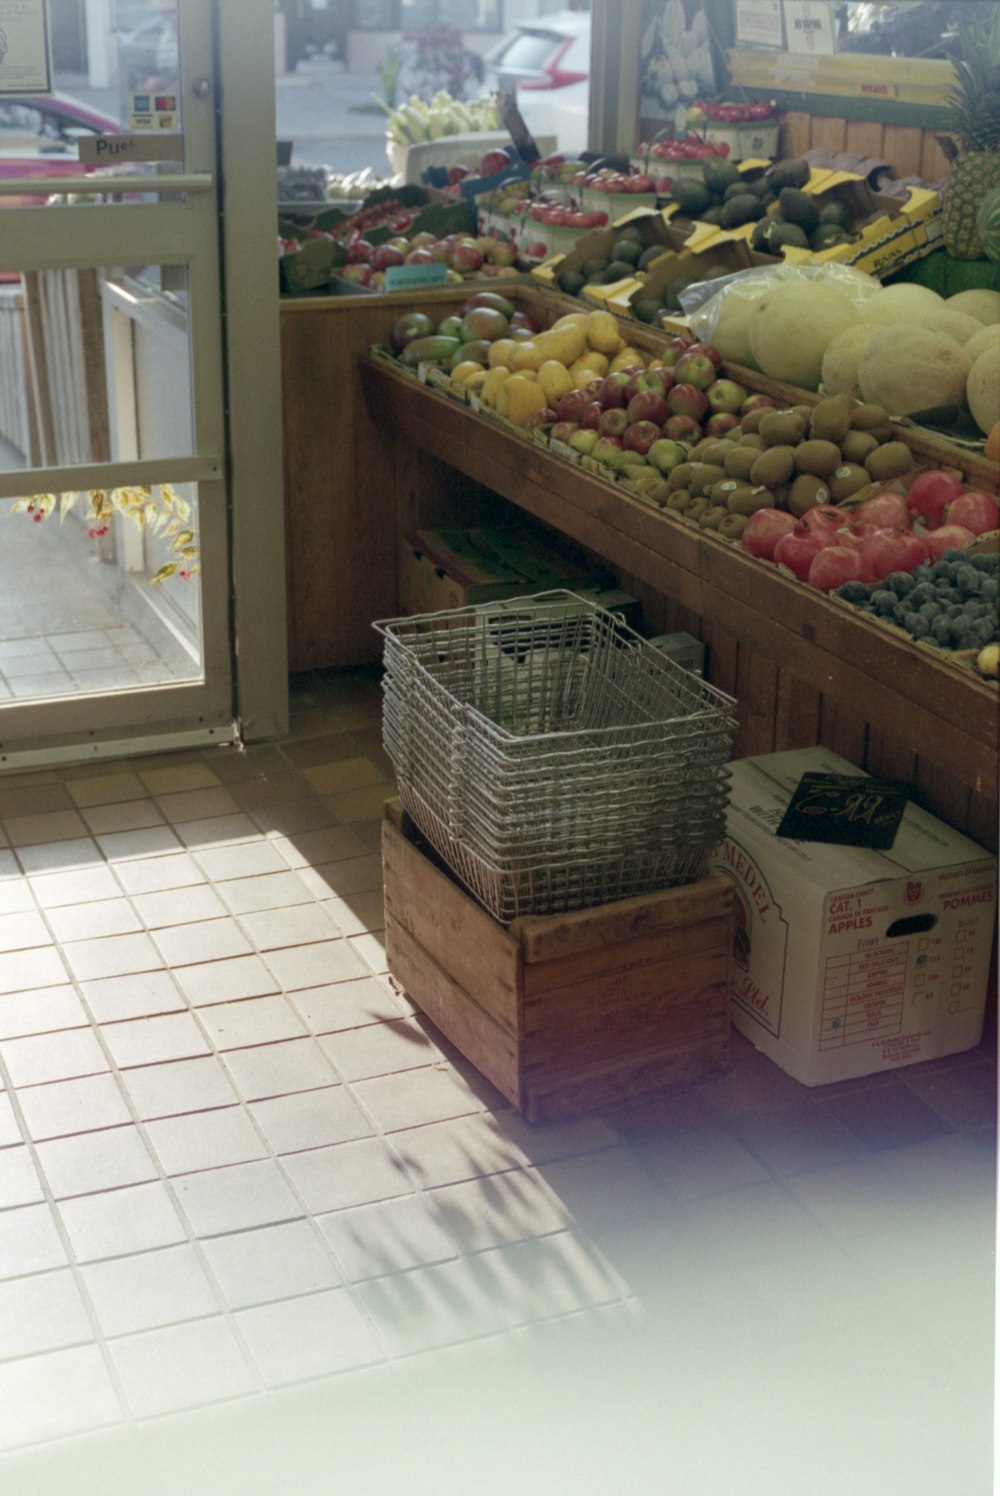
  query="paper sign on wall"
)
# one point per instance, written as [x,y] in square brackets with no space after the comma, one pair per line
[809,28]
[758,23]
[25,65]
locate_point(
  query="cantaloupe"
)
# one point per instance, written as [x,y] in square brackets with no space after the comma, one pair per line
[791,327]
[979,302]
[983,389]
[988,336]
[904,302]
[906,368]
[730,332]
[957,325]
[839,370]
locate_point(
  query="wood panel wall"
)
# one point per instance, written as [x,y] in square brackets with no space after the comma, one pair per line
[910,152]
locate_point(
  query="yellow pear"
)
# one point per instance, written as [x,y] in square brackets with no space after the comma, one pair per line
[555,380]
[474,383]
[629,358]
[603,334]
[500,352]
[527,355]
[519,398]
[563,343]
[464,371]
[594,360]
[571,319]
[583,375]
[492,384]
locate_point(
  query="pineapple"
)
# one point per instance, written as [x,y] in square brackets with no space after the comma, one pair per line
[974,123]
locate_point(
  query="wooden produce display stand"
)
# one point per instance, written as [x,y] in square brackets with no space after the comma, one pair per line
[371,457]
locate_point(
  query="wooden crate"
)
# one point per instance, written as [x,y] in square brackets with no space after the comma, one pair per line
[565,1014]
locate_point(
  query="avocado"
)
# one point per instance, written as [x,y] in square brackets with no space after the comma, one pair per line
[627,249]
[738,210]
[798,208]
[736,189]
[616,271]
[837,212]
[671,296]
[647,309]
[631,231]
[719,173]
[763,230]
[825,237]
[572,282]
[595,264]
[791,173]
[649,255]
[762,187]
[712,214]
[786,233]
[691,196]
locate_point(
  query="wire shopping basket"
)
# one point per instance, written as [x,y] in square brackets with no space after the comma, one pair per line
[551,755]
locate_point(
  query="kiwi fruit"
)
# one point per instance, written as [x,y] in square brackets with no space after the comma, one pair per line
[678,500]
[780,496]
[866,417]
[782,428]
[696,508]
[748,499]
[856,445]
[656,493]
[830,419]
[889,461]
[711,518]
[714,451]
[774,465]
[739,461]
[733,525]
[805,493]
[817,457]
[720,492]
[703,475]
[752,439]
[846,480]
[751,421]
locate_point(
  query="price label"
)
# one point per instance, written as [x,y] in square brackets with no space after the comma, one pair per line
[411,277]
[848,809]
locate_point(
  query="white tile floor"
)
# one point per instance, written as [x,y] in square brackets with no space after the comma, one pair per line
[263,1230]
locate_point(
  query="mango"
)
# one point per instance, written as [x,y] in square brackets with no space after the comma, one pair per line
[435,349]
[463,372]
[519,398]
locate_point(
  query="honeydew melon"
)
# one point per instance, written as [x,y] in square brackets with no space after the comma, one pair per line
[793,324]
[904,302]
[983,389]
[906,368]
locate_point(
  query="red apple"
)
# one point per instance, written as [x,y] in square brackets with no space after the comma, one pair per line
[721,422]
[687,400]
[467,256]
[695,367]
[764,529]
[613,422]
[832,566]
[886,510]
[612,391]
[796,549]
[674,349]
[384,255]
[647,406]
[682,428]
[573,404]
[656,381]
[757,402]
[887,551]
[562,430]
[930,493]
[591,415]
[977,511]
[725,395]
[946,538]
[543,417]
[419,257]
[640,436]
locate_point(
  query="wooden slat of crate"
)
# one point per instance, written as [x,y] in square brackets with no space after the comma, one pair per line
[607,1004]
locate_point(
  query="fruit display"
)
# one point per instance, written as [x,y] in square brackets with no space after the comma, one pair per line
[679,156]
[619,254]
[799,219]
[417,120]
[723,195]
[950,603]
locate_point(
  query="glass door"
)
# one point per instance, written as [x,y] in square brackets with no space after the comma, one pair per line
[115,576]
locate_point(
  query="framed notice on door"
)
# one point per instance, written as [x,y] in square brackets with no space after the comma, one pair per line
[25,57]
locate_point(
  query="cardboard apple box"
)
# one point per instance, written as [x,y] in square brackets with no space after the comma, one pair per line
[849,961]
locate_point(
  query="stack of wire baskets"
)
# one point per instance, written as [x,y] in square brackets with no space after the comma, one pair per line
[553,757]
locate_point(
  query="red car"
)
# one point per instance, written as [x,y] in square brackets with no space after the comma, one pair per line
[39,137]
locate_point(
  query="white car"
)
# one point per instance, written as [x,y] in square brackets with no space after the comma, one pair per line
[546,63]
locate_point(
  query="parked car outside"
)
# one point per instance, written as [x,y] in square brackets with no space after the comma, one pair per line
[151,50]
[546,63]
[40,135]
